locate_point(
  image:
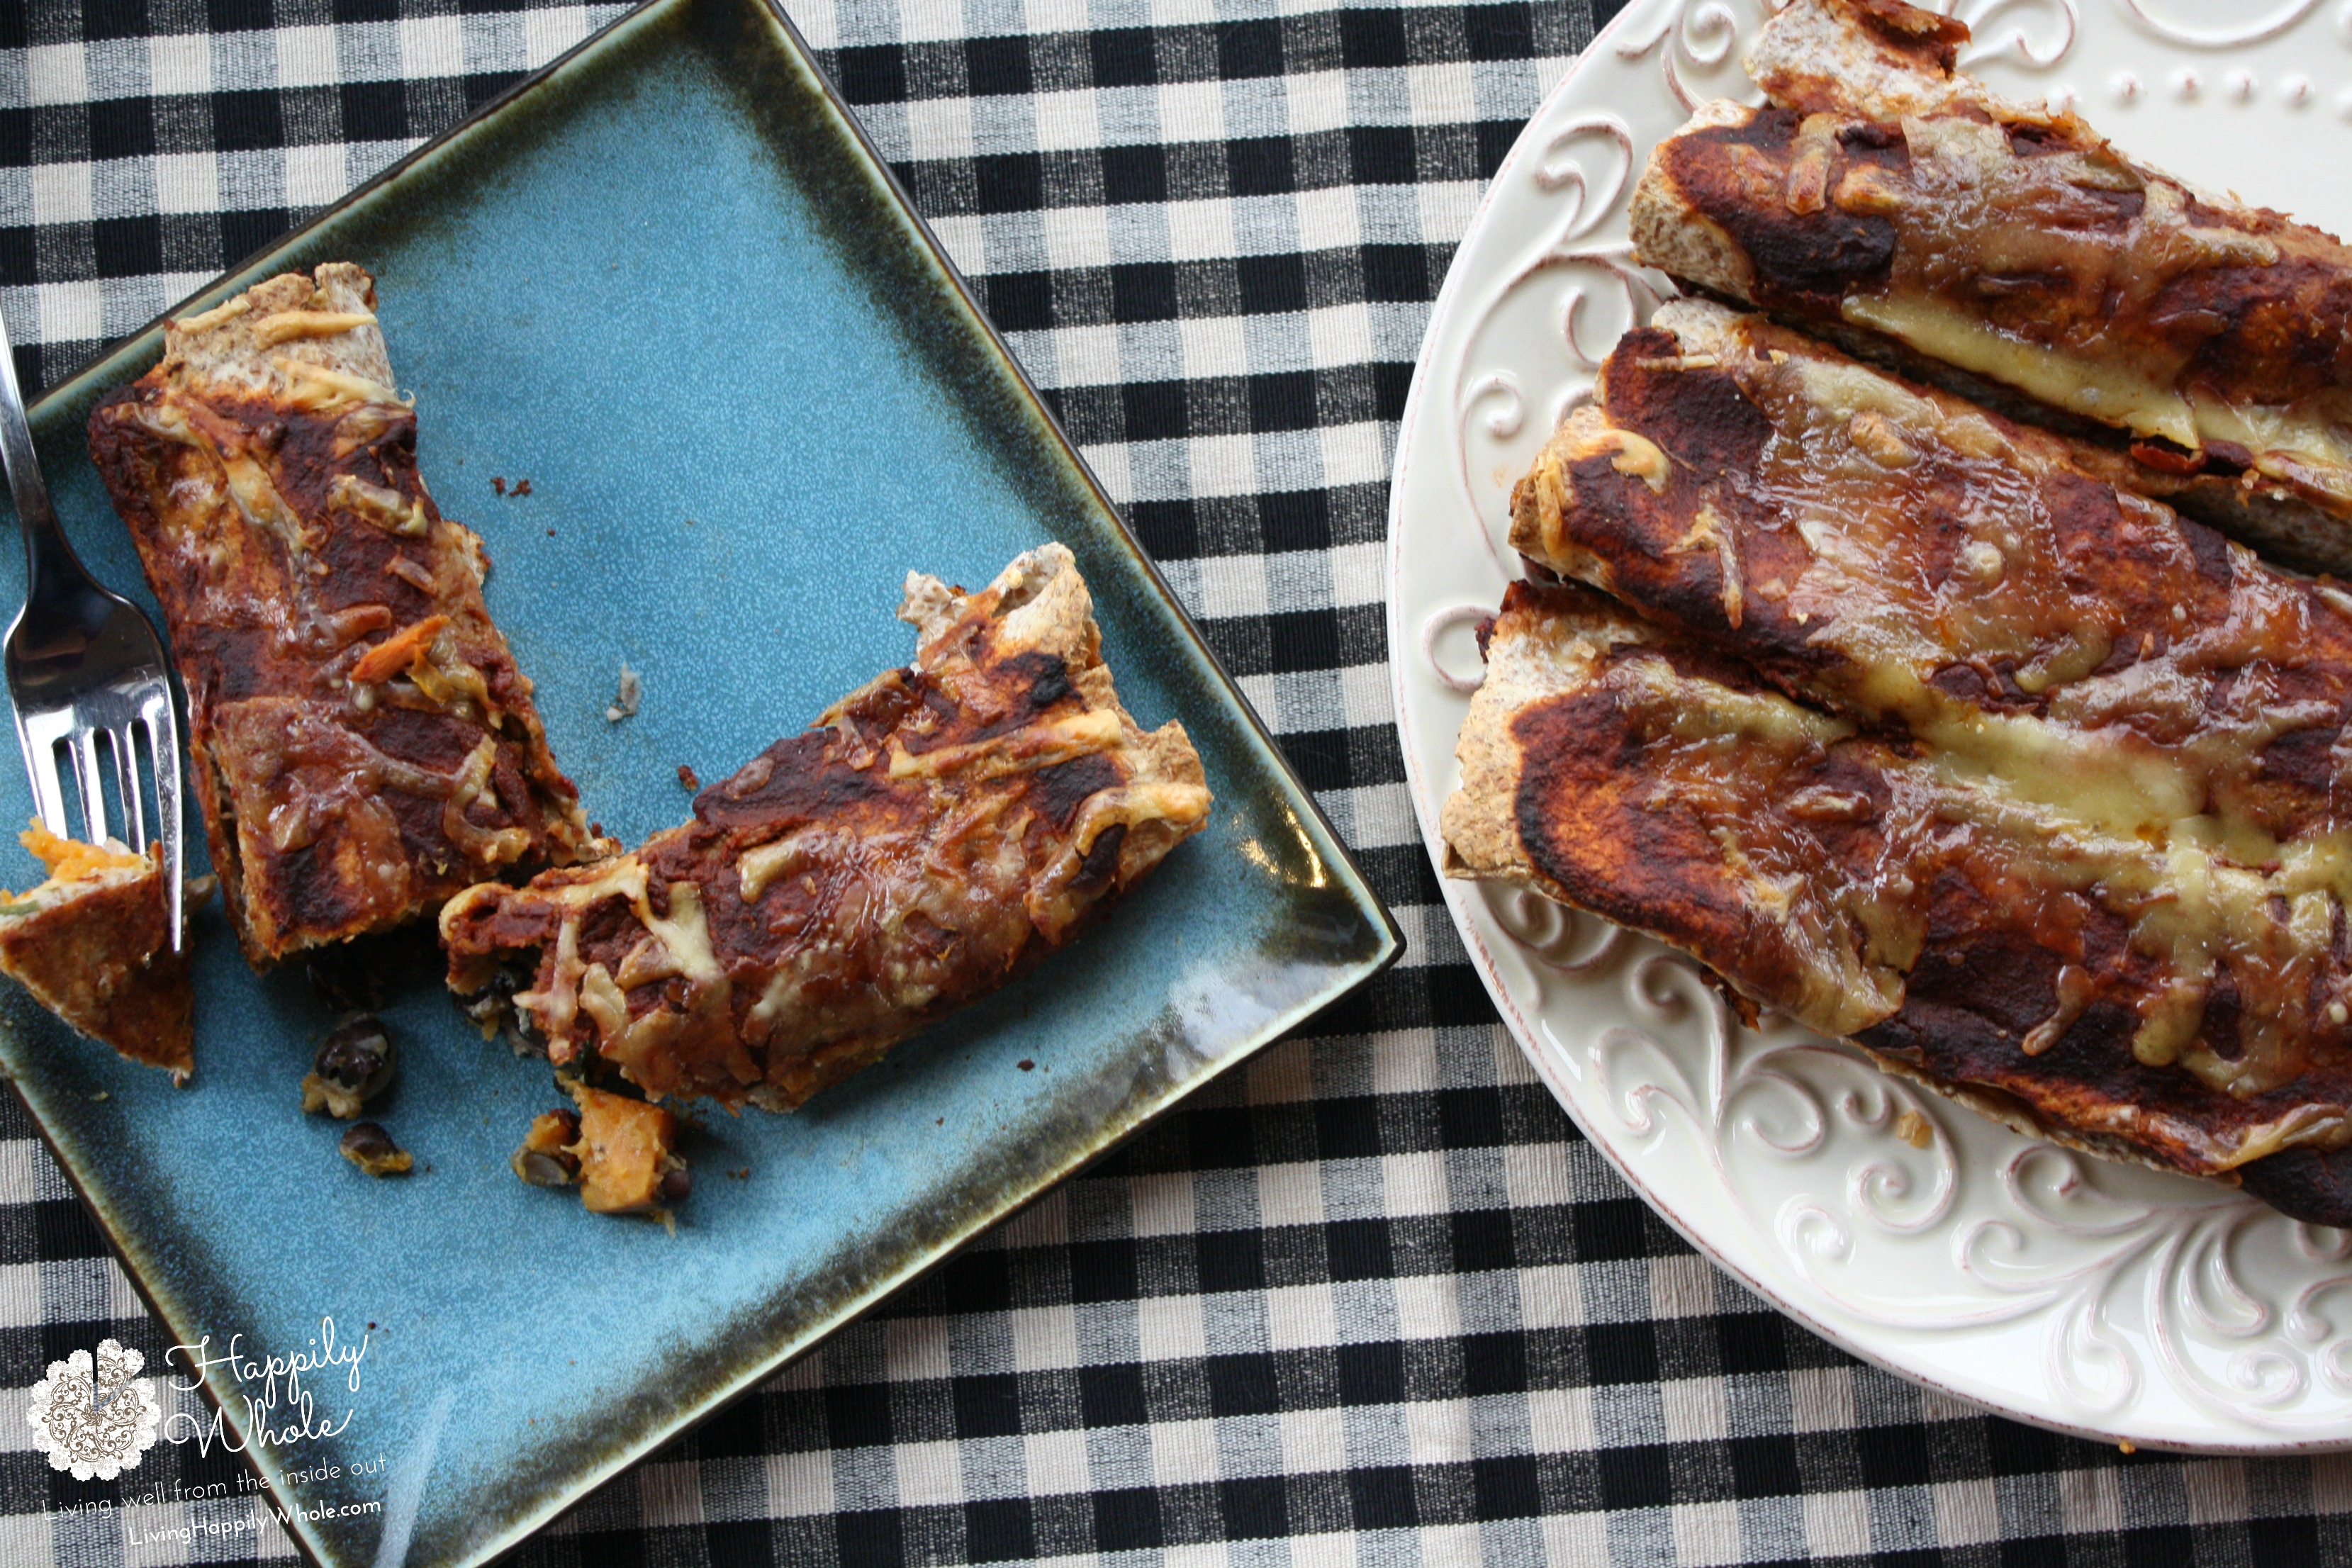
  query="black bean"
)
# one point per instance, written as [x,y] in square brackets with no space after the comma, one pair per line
[371,1148]
[356,1057]
[542,1170]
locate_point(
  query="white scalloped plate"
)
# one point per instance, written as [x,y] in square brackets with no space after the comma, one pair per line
[2097,1299]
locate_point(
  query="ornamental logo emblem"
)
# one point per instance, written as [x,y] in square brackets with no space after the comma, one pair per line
[95,1417]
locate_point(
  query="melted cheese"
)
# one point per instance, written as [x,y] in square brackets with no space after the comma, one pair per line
[762,863]
[2076,991]
[206,320]
[493,846]
[244,477]
[1708,533]
[1714,748]
[160,418]
[286,326]
[322,386]
[444,677]
[601,999]
[1705,712]
[414,574]
[1046,743]
[2111,394]
[556,1008]
[1546,491]
[2188,901]
[387,509]
[1629,454]
[623,877]
[676,945]
[1875,436]
[2299,444]
[685,934]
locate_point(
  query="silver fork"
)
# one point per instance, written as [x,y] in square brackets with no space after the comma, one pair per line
[86,672]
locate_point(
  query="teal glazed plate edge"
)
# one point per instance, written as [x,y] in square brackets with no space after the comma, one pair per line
[670,279]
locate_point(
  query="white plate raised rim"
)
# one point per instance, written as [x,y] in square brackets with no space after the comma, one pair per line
[2099,1299]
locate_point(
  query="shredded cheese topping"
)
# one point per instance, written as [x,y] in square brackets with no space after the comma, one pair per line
[322,386]
[71,860]
[287,326]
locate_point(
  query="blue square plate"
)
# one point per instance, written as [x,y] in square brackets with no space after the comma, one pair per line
[670,283]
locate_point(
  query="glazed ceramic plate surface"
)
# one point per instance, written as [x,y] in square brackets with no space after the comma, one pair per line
[669,285]
[2090,1297]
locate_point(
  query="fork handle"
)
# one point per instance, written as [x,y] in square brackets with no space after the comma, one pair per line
[48,556]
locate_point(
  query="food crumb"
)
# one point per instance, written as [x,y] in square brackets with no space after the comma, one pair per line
[742,1175]
[686,776]
[522,488]
[624,702]
[1914,1129]
[550,533]
[100,1097]
[498,483]
[2129,1447]
[1026,1065]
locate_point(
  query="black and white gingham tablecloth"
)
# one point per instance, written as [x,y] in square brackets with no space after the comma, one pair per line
[1372,1301]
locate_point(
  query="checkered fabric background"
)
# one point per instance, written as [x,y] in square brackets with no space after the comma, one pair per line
[1372,1300]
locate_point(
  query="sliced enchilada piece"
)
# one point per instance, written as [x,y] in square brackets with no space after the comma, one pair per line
[92,944]
[1993,944]
[365,745]
[931,835]
[1909,559]
[1886,201]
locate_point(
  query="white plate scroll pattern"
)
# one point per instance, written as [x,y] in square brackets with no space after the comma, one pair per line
[2099,1299]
